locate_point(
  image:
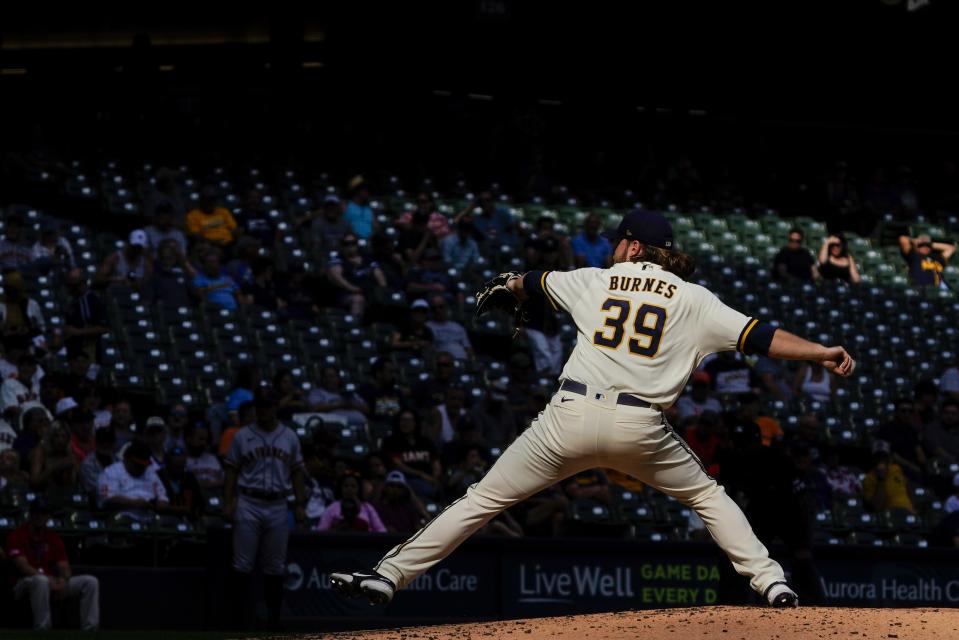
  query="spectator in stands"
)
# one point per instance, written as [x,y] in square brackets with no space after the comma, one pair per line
[952,502]
[448,335]
[926,259]
[131,266]
[240,268]
[244,384]
[941,437]
[82,443]
[290,398]
[176,421]
[86,319]
[34,424]
[412,453]
[459,249]
[446,416]
[200,462]
[750,410]
[810,431]
[426,216]
[327,226]
[706,436]
[211,222]
[541,329]
[13,478]
[949,381]
[212,286]
[469,470]
[261,290]
[121,422]
[885,486]
[375,478]
[835,262]
[926,395]
[17,392]
[465,435]
[771,378]
[415,238]
[399,509]
[383,252]
[431,392]
[493,223]
[166,193]
[430,278]
[546,249]
[843,481]
[80,380]
[698,400]
[182,488]
[14,254]
[257,223]
[51,391]
[817,485]
[493,416]
[172,273]
[164,230]
[794,260]
[154,435]
[416,336]
[590,249]
[331,397]
[354,276]
[588,485]
[40,561]
[358,211]
[296,290]
[901,434]
[52,464]
[104,454]
[245,416]
[812,382]
[131,487]
[348,513]
[730,374]
[7,435]
[52,251]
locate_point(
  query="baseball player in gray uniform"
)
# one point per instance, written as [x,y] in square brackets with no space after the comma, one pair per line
[264,465]
[642,331]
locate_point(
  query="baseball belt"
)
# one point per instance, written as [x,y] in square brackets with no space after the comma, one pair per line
[624,398]
[262,495]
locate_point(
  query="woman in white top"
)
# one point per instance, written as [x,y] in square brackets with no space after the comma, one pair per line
[813,382]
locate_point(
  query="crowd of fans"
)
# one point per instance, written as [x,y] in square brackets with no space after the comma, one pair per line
[67,430]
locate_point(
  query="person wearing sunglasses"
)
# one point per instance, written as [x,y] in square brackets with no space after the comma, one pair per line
[926,259]
[794,261]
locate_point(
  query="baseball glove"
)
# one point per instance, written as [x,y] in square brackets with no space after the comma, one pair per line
[495,295]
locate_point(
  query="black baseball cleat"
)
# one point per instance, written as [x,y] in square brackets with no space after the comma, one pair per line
[781,596]
[379,589]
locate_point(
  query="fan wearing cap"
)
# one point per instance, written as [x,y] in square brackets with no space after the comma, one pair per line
[926,259]
[327,226]
[131,487]
[885,486]
[642,330]
[415,336]
[211,222]
[130,266]
[43,572]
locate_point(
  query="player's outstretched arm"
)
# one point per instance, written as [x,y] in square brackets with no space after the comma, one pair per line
[789,346]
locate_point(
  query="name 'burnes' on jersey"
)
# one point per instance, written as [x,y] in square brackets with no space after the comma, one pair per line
[647,284]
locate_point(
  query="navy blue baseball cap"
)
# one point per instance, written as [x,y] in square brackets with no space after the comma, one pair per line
[649,227]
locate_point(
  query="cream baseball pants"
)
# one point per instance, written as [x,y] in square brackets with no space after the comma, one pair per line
[572,434]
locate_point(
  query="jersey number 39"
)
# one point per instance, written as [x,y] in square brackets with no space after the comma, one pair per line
[648,326]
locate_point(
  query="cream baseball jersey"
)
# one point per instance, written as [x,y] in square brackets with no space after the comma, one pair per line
[643,330]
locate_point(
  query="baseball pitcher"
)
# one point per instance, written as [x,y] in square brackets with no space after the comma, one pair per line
[642,330]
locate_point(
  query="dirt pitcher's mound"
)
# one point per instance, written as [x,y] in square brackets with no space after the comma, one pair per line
[727,623]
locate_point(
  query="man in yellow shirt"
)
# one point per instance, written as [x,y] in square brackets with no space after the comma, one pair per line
[210,222]
[885,487]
